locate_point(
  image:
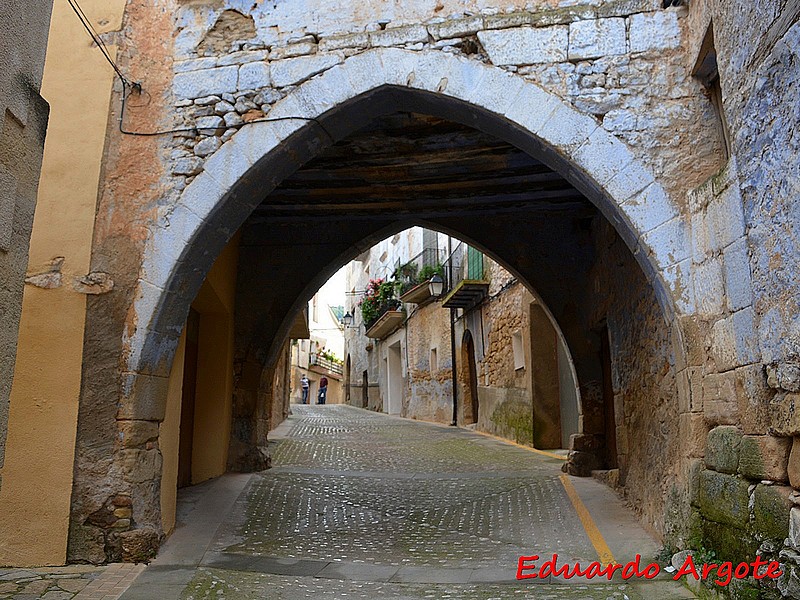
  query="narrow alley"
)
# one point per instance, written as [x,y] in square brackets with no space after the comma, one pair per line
[365,505]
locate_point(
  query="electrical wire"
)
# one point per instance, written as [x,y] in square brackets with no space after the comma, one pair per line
[87,25]
[136,88]
[130,87]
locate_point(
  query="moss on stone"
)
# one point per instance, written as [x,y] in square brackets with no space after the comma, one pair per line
[771,510]
[514,420]
[729,543]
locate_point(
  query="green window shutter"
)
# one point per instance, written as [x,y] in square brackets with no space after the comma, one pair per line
[474,263]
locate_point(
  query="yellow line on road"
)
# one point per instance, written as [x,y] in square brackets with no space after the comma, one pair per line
[600,546]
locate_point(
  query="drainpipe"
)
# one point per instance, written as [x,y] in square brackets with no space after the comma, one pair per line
[453,337]
[453,360]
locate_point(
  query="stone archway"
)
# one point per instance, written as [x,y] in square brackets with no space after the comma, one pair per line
[215,203]
[191,234]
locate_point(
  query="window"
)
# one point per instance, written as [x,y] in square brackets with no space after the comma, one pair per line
[707,72]
[434,364]
[519,352]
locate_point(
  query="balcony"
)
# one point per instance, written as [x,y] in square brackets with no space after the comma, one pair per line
[465,282]
[388,320]
[414,275]
[325,364]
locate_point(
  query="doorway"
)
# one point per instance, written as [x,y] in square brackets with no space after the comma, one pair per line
[394,372]
[365,389]
[188,395]
[471,403]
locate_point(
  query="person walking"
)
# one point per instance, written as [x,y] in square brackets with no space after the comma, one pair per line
[323,390]
[304,386]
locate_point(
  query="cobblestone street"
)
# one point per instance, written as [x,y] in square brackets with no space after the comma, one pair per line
[361,505]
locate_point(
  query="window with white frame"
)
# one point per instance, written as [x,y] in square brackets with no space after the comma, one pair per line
[519,352]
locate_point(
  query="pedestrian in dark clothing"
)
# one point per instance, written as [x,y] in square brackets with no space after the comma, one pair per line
[323,390]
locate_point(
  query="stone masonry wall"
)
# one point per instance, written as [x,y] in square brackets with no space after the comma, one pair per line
[429,392]
[506,406]
[620,62]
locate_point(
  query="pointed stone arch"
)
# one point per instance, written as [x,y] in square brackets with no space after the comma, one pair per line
[245,169]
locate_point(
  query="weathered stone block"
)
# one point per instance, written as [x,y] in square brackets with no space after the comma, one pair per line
[771,508]
[729,542]
[738,281]
[785,415]
[188,165]
[585,442]
[232,119]
[292,71]
[726,218]
[719,399]
[696,467]
[669,242]
[709,286]
[678,280]
[692,431]
[398,36]
[596,38]
[722,449]
[525,46]
[581,464]
[254,76]
[702,244]
[195,64]
[723,345]
[137,433]
[794,527]
[724,499]
[793,466]
[193,84]
[789,583]
[454,28]
[243,57]
[139,545]
[654,31]
[211,125]
[744,332]
[338,42]
[764,457]
[207,146]
[754,397]
[144,397]
[139,466]
[293,50]
[648,208]
[86,544]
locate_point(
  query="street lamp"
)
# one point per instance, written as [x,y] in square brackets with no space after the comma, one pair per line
[347,319]
[436,285]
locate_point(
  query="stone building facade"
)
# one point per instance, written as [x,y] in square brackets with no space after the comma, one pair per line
[513,371]
[662,149]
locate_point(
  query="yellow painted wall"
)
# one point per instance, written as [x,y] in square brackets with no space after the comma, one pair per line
[169,440]
[37,475]
[213,396]
[213,402]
